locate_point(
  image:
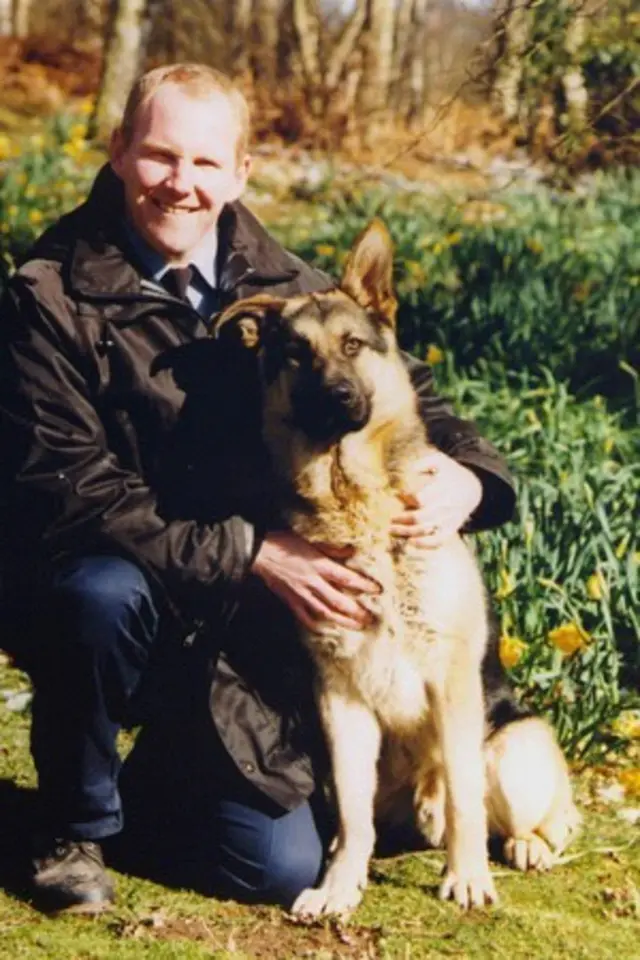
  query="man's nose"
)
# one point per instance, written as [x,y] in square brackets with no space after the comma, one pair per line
[180,178]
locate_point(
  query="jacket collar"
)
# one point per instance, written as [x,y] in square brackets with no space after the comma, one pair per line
[102,265]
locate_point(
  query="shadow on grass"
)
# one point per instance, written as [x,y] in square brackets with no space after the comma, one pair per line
[16,817]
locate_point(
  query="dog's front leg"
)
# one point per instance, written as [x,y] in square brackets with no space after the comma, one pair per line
[353,735]
[459,717]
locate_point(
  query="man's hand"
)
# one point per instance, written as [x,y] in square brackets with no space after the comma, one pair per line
[315,587]
[447,499]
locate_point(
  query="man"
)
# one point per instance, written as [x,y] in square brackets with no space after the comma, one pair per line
[96,568]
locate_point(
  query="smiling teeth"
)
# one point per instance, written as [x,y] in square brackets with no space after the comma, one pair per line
[171,208]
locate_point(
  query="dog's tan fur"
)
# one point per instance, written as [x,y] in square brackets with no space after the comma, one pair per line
[401,700]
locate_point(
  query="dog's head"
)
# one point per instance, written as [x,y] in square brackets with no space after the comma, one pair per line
[324,357]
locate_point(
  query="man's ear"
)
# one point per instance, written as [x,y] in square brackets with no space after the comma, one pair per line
[243,322]
[368,273]
[116,150]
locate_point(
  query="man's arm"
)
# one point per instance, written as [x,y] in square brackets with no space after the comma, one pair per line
[69,492]
[461,440]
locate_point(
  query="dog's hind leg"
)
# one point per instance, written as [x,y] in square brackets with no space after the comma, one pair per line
[353,735]
[458,713]
[529,799]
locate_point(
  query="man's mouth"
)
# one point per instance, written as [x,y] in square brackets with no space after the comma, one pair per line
[172,207]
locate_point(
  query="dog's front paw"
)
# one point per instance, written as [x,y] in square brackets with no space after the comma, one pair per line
[339,894]
[528,853]
[468,889]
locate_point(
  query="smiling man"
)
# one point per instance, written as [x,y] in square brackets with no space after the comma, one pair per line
[98,569]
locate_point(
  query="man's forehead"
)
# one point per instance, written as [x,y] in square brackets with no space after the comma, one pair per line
[172,110]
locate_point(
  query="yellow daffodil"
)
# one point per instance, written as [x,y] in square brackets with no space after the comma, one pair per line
[627,725]
[510,650]
[434,355]
[506,584]
[437,249]
[36,140]
[582,291]
[630,780]
[597,586]
[35,216]
[568,638]
[621,549]
[453,238]
[85,106]
[415,270]
[6,146]
[77,131]
[325,250]
[608,445]
[534,245]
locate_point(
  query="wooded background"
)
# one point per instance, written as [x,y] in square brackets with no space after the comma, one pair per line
[563,75]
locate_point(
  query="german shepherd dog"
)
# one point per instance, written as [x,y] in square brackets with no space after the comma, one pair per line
[401,701]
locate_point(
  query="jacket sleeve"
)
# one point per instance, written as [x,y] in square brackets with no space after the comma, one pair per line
[67,492]
[461,440]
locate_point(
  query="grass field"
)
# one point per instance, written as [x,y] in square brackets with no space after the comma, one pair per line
[588,907]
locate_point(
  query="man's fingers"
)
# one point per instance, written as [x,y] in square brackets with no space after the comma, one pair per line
[349,579]
[335,551]
[335,601]
[314,610]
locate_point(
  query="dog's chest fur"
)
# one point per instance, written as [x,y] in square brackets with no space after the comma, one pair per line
[350,495]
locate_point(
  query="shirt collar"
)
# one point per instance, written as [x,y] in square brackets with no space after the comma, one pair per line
[203,258]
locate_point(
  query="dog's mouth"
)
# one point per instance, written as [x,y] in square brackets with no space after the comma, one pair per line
[328,415]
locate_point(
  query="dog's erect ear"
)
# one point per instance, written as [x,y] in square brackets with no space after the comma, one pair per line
[242,323]
[368,274]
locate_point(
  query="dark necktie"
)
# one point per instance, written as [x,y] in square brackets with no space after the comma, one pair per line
[176,280]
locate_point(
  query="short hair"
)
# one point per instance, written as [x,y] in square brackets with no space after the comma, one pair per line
[197,79]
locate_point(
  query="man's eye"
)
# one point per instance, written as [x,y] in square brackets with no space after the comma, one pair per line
[352,346]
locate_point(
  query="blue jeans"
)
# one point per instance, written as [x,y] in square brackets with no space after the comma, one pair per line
[98,631]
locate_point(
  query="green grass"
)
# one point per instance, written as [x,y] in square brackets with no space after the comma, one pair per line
[587,908]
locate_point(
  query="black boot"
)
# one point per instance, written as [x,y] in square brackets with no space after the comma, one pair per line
[70,875]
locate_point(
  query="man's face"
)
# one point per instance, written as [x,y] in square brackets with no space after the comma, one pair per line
[179,169]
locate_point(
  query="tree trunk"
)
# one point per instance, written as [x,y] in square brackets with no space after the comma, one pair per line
[239,32]
[266,35]
[6,18]
[376,68]
[401,54]
[20,10]
[415,107]
[345,47]
[121,64]
[306,24]
[573,82]
[514,31]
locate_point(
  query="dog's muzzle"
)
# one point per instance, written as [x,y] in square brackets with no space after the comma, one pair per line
[327,413]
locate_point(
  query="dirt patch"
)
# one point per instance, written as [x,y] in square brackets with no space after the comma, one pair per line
[268,935]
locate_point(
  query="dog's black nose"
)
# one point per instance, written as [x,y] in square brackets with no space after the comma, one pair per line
[344,392]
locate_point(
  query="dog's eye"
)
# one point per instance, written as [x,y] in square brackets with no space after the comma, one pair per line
[352,346]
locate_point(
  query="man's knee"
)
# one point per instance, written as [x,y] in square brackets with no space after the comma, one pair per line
[97,598]
[263,858]
[293,869]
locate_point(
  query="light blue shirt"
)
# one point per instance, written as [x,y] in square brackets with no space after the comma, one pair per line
[201,291]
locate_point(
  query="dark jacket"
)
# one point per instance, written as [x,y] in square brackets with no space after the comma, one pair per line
[91,411]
